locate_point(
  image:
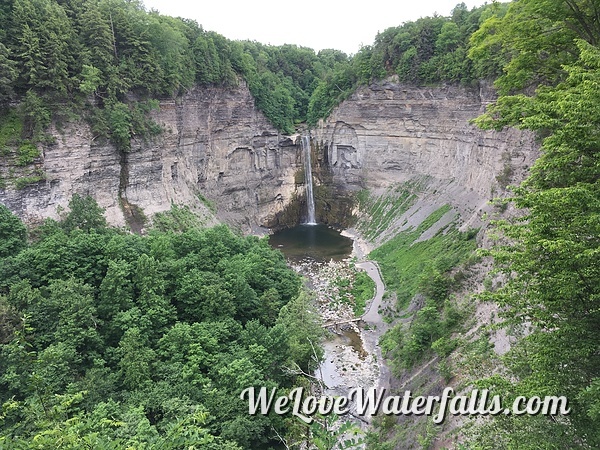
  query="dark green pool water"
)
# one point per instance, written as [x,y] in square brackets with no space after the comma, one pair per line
[318,242]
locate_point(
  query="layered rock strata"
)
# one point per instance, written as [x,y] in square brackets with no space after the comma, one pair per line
[388,133]
[216,150]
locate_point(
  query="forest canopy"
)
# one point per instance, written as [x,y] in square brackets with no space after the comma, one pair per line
[107,52]
[123,341]
[109,58]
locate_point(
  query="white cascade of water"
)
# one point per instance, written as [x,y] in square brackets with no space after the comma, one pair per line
[308,181]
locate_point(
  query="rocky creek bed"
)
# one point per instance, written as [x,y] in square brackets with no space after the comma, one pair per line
[329,261]
[352,356]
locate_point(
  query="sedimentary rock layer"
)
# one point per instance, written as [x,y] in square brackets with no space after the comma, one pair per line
[215,145]
[389,133]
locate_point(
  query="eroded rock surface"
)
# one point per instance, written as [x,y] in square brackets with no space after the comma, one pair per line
[389,133]
[216,145]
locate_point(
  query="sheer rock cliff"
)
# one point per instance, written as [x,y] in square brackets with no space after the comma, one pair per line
[216,150]
[388,133]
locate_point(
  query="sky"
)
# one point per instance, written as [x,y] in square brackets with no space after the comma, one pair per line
[317,24]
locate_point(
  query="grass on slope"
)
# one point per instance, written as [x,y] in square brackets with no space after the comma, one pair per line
[382,210]
[406,264]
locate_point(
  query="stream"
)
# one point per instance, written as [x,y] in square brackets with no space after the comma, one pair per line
[352,355]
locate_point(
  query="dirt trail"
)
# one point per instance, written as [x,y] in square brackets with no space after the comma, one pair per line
[372,316]
[376,326]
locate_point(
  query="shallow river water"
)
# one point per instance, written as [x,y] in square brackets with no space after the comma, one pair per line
[350,360]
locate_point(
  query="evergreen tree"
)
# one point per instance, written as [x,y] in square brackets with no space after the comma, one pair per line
[44,36]
[8,75]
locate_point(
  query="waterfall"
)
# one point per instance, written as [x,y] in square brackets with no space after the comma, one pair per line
[308,181]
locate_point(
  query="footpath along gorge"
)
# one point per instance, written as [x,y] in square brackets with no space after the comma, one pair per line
[392,159]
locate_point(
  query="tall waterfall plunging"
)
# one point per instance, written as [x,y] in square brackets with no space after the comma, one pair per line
[308,181]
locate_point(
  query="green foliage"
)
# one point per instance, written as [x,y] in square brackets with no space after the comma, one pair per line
[61,424]
[22,152]
[444,346]
[10,322]
[36,116]
[549,252]
[13,234]
[109,52]
[327,434]
[533,41]
[405,348]
[486,45]
[208,203]
[177,219]
[8,74]
[434,284]
[429,50]
[413,267]
[109,49]
[119,125]
[354,288]
[27,153]
[123,122]
[409,266]
[337,85]
[523,432]
[124,341]
[363,290]
[433,218]
[11,129]
[382,211]
[90,79]
[300,319]
[429,329]
[84,214]
[30,178]
[282,79]
[43,45]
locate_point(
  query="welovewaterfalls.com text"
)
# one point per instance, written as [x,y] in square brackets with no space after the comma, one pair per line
[375,401]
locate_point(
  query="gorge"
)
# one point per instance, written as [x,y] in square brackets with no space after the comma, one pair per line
[221,157]
[449,171]
[216,146]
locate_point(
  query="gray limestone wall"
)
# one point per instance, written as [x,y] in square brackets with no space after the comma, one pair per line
[217,146]
[389,133]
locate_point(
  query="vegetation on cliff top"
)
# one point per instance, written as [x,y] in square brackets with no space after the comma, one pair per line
[428,50]
[109,59]
[103,54]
